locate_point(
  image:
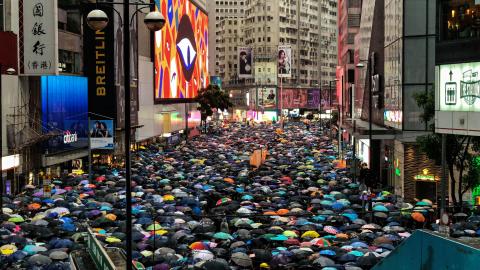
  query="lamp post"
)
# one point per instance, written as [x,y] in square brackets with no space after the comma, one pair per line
[9,71]
[154,20]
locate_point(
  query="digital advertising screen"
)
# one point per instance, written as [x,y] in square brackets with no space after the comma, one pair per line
[181,51]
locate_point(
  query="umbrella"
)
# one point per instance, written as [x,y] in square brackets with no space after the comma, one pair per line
[203,255]
[418,217]
[222,236]
[198,246]
[241,259]
[323,261]
[223,201]
[38,259]
[320,242]
[330,229]
[58,255]
[154,227]
[216,264]
[310,234]
[8,249]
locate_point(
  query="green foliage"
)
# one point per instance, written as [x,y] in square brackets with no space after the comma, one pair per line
[210,98]
[426,101]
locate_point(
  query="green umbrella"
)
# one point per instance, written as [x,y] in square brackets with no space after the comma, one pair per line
[154,227]
[222,236]
[16,219]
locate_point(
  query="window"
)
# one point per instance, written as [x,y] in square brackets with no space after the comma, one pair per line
[459,19]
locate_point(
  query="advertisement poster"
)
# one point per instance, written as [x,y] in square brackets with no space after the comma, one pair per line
[313,101]
[294,98]
[101,134]
[460,87]
[245,62]
[284,61]
[267,97]
[181,51]
[99,65]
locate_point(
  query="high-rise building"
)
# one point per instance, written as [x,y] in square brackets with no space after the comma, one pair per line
[348,26]
[225,28]
[308,26]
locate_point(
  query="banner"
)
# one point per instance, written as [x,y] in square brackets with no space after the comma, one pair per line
[294,98]
[313,101]
[267,98]
[245,62]
[101,134]
[284,61]
[99,65]
[38,37]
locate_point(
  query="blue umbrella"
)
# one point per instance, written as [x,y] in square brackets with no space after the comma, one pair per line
[319,218]
[144,221]
[337,206]
[380,208]
[351,216]
[326,203]
[279,237]
[359,245]
[247,197]
[328,252]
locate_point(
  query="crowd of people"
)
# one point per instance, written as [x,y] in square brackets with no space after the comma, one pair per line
[202,205]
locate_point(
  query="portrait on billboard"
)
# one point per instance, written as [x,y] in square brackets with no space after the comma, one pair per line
[245,57]
[181,51]
[267,97]
[101,134]
[284,61]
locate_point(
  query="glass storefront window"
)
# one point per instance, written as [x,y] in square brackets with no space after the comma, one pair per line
[460,19]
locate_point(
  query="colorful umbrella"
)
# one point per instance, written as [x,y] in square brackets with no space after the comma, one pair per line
[320,242]
[223,201]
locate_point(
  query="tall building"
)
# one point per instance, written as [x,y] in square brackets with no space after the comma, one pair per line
[348,26]
[307,25]
[225,27]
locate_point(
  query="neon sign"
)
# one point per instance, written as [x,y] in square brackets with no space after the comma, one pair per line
[69,137]
[425,176]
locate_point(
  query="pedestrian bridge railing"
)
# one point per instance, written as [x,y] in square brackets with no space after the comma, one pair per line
[428,250]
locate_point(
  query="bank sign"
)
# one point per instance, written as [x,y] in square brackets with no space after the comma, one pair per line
[460,87]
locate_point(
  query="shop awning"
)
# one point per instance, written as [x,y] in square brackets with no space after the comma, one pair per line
[50,160]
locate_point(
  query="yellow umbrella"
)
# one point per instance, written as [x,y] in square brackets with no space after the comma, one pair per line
[161,232]
[168,197]
[8,249]
[112,239]
[311,234]
[38,216]
[290,234]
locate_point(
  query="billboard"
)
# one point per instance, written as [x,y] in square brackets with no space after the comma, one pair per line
[245,62]
[65,112]
[99,66]
[267,97]
[181,51]
[460,87]
[284,61]
[101,134]
[294,98]
[313,99]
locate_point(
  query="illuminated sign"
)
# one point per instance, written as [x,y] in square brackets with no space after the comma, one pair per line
[10,162]
[460,87]
[69,137]
[398,172]
[425,176]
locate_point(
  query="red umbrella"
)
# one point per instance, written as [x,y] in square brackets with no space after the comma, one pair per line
[292,242]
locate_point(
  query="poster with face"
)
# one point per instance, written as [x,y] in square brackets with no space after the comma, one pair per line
[284,64]
[245,62]
[267,97]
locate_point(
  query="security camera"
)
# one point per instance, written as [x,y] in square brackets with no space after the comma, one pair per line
[97,19]
[154,21]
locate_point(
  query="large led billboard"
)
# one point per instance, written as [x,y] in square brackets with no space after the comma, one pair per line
[181,51]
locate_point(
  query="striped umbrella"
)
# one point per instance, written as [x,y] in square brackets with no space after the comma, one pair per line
[223,201]
[321,242]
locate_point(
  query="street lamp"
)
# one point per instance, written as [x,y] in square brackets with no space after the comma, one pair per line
[9,71]
[154,20]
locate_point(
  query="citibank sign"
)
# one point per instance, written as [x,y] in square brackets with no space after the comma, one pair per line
[69,137]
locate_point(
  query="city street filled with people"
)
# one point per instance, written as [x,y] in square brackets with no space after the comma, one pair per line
[202,205]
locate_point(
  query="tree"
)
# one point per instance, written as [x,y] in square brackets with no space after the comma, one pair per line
[210,98]
[459,151]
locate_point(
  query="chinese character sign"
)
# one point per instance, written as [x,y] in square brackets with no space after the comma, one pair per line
[39,53]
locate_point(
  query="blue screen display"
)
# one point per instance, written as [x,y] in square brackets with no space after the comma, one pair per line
[65,112]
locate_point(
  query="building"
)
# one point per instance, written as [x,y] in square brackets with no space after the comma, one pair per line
[225,28]
[457,69]
[348,26]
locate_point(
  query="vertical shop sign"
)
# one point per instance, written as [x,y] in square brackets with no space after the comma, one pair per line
[38,37]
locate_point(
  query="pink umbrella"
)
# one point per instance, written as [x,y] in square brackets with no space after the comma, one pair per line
[330,230]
